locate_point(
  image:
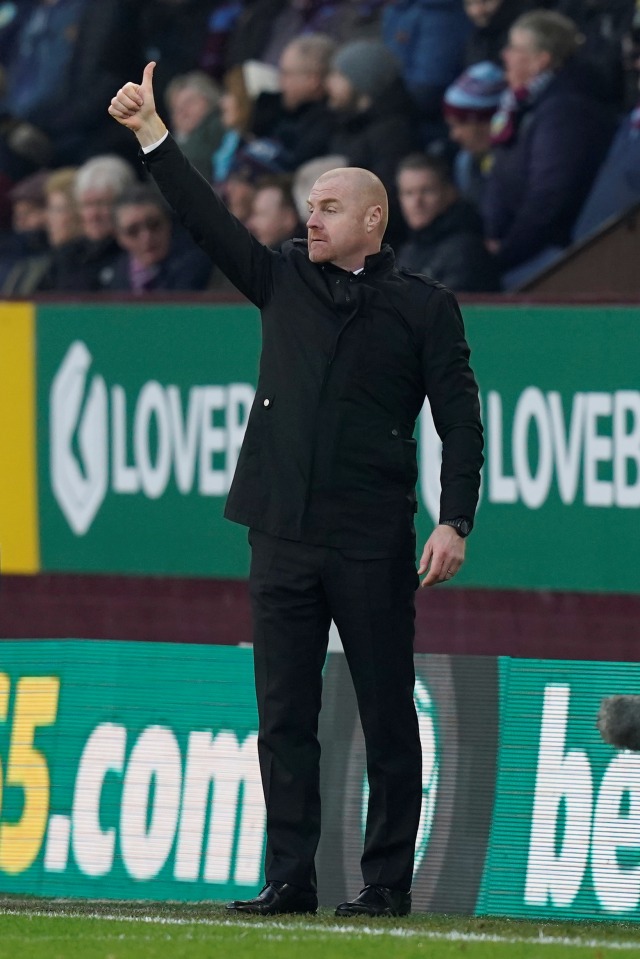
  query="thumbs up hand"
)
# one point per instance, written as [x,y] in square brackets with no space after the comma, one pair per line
[134,107]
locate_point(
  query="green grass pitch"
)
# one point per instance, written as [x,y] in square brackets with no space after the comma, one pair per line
[86,929]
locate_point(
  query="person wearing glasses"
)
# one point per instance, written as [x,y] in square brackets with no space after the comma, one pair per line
[156,255]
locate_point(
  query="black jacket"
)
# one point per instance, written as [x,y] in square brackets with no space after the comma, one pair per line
[329,455]
[487,43]
[184,268]
[301,134]
[451,250]
[82,266]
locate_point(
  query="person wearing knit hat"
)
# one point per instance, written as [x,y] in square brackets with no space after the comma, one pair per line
[468,106]
[475,95]
[368,68]
[376,122]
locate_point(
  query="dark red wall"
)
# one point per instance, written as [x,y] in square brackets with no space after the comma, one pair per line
[464,621]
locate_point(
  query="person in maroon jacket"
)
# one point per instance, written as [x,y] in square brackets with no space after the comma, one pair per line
[326,483]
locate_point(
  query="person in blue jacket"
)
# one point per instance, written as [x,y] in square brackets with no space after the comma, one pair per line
[428,39]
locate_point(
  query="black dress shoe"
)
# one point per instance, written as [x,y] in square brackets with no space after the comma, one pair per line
[377,901]
[276,898]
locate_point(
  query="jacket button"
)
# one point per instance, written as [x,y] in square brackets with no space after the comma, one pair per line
[394,432]
[266,402]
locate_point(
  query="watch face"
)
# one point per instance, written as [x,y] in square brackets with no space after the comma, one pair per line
[465,527]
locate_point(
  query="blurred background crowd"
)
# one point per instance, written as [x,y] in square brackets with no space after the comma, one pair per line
[504,130]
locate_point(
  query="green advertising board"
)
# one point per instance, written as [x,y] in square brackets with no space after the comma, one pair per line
[141,416]
[565,840]
[141,412]
[129,771]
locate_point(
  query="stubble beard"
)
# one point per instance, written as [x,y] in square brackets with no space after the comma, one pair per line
[320,253]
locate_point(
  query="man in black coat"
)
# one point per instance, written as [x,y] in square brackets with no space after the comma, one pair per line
[326,482]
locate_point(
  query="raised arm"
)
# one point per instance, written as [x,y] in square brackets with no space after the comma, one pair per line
[248,264]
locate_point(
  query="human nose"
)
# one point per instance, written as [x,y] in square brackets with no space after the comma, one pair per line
[313,220]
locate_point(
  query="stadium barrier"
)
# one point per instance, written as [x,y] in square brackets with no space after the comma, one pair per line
[120,427]
[129,771]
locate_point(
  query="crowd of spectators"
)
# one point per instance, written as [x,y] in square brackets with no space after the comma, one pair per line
[503,130]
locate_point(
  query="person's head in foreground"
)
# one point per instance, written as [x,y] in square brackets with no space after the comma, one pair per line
[348,212]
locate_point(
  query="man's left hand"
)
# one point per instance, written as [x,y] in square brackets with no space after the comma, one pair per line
[443,555]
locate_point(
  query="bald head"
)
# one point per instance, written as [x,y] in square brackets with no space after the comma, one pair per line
[347,217]
[367,189]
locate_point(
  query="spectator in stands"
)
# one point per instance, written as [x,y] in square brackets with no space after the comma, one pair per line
[375,116]
[603,25]
[157,255]
[265,27]
[617,184]
[220,24]
[469,105]
[236,108]
[62,225]
[550,137]
[87,263]
[173,33]
[491,21]
[445,239]
[250,32]
[193,100]
[274,217]
[253,160]
[24,150]
[29,202]
[28,219]
[63,214]
[238,191]
[427,39]
[12,17]
[64,59]
[297,121]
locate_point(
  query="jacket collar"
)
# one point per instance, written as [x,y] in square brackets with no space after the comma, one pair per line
[381,262]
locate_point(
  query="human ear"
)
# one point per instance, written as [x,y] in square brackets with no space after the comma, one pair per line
[374,215]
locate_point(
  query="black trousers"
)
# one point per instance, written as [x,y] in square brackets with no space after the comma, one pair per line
[296,589]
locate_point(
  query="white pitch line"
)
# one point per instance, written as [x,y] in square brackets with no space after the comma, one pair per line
[338,929]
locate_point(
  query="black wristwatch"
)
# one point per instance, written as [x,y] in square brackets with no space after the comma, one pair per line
[462,526]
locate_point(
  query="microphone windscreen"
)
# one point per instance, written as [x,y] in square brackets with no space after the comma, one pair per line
[619,721]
